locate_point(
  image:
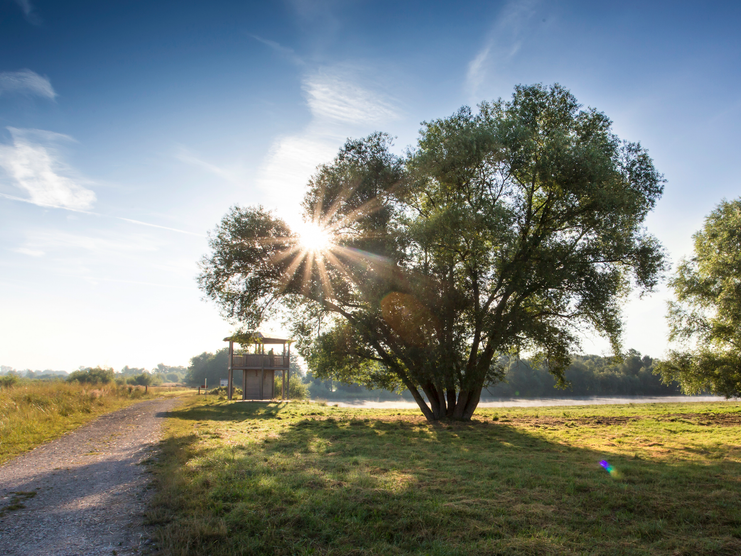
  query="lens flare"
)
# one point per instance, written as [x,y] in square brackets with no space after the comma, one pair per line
[609,468]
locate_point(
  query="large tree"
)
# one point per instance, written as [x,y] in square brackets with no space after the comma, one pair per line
[509,229]
[706,316]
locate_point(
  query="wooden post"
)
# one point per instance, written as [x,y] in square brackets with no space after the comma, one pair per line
[230,371]
[244,384]
[288,396]
[262,378]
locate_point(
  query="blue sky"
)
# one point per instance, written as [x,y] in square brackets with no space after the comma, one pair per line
[127,129]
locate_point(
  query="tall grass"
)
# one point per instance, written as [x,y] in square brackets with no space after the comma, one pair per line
[33,412]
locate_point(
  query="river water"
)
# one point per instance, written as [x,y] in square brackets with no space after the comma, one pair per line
[539,402]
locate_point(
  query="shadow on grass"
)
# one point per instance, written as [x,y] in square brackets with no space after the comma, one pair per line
[381,486]
[238,411]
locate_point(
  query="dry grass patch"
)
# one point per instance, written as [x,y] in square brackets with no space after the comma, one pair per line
[33,412]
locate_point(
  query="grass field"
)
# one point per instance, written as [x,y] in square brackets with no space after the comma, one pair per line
[248,478]
[33,412]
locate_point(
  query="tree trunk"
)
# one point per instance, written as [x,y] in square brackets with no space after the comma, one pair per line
[460,405]
[451,401]
[420,401]
[432,395]
[441,401]
[472,404]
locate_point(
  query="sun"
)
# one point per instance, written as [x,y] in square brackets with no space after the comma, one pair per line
[314,237]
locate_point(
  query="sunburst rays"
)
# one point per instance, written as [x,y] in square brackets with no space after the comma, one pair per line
[319,254]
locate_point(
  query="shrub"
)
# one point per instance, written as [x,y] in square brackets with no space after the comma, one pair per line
[297,390]
[8,380]
[92,375]
[222,391]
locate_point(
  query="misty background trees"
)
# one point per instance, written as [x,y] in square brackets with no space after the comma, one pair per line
[590,375]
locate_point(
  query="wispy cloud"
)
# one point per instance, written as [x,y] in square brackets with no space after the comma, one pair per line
[183,154]
[502,44]
[29,11]
[65,245]
[342,104]
[149,225]
[280,49]
[332,96]
[26,82]
[34,165]
[123,219]
[29,252]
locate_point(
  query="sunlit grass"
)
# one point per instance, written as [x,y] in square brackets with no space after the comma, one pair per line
[249,478]
[34,412]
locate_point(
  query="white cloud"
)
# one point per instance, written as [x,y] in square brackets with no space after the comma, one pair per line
[332,96]
[340,108]
[29,252]
[26,82]
[502,45]
[289,166]
[35,166]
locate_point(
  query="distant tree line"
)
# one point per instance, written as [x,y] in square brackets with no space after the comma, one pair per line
[588,375]
[128,375]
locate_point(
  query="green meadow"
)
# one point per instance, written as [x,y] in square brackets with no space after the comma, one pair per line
[302,478]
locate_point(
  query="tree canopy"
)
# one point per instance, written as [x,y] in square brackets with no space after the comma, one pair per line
[511,228]
[209,367]
[706,316]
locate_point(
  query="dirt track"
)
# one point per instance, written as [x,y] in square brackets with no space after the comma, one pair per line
[84,493]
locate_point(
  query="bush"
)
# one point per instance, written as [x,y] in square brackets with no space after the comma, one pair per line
[94,375]
[222,391]
[8,380]
[297,390]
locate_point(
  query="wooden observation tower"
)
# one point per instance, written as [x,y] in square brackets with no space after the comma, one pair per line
[258,367]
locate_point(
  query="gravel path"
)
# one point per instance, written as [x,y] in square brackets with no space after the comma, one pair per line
[84,493]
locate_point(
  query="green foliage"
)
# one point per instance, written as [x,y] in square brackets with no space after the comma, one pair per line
[211,366]
[590,375]
[514,228]
[132,371]
[297,390]
[224,391]
[706,316]
[143,379]
[6,381]
[587,375]
[92,375]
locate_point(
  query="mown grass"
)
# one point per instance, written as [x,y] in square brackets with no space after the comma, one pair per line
[250,478]
[34,412]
